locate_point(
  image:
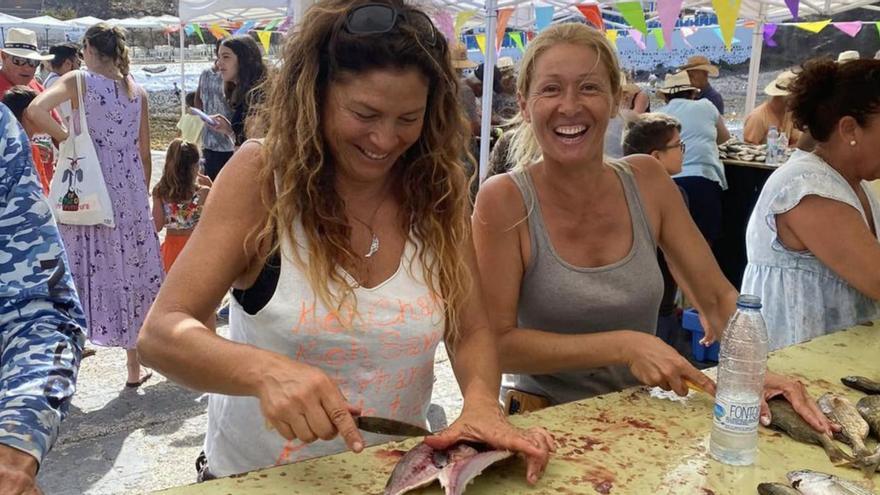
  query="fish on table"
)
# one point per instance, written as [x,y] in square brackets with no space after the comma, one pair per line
[454,467]
[869,408]
[776,489]
[786,419]
[853,428]
[861,384]
[809,482]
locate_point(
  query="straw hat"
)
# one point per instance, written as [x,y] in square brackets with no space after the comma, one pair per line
[23,43]
[626,84]
[847,56]
[460,59]
[506,63]
[779,86]
[676,83]
[700,62]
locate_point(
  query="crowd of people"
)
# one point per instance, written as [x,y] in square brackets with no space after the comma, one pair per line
[330,195]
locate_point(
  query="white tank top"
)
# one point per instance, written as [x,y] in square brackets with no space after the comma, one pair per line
[384,363]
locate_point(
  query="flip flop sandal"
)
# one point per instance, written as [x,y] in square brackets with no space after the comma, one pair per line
[139,382]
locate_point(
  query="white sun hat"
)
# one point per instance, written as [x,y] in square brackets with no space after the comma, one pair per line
[23,43]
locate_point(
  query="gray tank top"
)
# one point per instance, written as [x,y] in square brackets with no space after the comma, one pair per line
[558,297]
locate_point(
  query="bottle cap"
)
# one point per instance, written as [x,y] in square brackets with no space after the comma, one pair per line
[748,301]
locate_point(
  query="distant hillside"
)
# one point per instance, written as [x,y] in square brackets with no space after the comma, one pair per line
[106,9]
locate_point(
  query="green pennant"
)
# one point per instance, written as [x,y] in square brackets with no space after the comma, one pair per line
[634,15]
[198,31]
[518,41]
[658,35]
[272,25]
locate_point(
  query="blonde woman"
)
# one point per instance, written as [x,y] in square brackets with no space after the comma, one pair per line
[346,238]
[567,241]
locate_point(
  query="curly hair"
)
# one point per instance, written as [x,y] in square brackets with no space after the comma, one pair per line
[524,148]
[109,42]
[826,91]
[428,179]
[178,182]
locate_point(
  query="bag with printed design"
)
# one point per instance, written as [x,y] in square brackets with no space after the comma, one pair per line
[78,193]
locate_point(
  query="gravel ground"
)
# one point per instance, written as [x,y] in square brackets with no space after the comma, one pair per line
[135,441]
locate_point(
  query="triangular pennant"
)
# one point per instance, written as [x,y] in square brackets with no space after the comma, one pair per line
[189,30]
[518,41]
[769,31]
[198,31]
[720,35]
[265,38]
[850,28]
[668,11]
[503,18]
[813,27]
[593,15]
[272,24]
[658,35]
[638,38]
[793,6]
[218,31]
[461,19]
[245,28]
[611,34]
[285,24]
[634,15]
[727,12]
[543,17]
[481,42]
[878,27]
[445,24]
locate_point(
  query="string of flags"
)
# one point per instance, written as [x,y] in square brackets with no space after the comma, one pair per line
[264,29]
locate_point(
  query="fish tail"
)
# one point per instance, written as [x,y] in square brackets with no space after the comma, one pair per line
[835,453]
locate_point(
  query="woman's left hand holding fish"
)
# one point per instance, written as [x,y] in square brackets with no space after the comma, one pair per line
[486,423]
[796,394]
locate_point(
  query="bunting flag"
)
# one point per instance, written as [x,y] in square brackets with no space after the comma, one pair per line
[878,27]
[265,38]
[198,30]
[481,42]
[518,40]
[272,24]
[189,30]
[218,31]
[727,12]
[668,11]
[793,6]
[285,24]
[658,35]
[769,32]
[634,15]
[850,28]
[503,19]
[638,38]
[460,20]
[593,16]
[611,34]
[543,17]
[445,24]
[720,35]
[813,27]
[245,28]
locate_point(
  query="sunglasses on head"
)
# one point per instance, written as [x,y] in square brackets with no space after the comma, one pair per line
[20,61]
[377,18]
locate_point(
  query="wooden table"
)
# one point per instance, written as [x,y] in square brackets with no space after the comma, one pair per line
[623,443]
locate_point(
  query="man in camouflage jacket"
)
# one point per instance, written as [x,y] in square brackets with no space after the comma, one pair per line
[41,320]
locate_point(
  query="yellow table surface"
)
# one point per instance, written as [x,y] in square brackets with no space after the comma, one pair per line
[624,443]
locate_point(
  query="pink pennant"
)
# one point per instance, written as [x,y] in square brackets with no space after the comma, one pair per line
[668,11]
[445,24]
[638,38]
[850,28]
[793,6]
[769,32]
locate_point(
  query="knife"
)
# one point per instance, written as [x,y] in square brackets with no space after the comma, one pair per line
[386,426]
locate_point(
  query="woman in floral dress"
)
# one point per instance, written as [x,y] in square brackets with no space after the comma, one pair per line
[117,270]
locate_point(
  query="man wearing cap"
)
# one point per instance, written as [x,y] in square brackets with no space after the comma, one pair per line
[772,113]
[699,69]
[20,60]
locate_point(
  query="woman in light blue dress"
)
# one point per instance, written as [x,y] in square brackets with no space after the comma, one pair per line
[813,250]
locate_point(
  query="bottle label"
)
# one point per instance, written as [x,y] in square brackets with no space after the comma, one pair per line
[736,416]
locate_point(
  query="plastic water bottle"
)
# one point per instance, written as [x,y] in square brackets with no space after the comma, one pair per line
[772,146]
[741,365]
[781,148]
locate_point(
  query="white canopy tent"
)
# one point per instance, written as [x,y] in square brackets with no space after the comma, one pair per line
[85,22]
[8,21]
[48,23]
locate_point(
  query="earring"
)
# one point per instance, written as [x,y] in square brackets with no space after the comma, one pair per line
[852,143]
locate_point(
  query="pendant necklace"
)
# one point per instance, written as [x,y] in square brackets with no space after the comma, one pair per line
[374,239]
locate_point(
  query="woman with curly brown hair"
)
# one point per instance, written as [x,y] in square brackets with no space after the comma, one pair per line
[814,255]
[346,236]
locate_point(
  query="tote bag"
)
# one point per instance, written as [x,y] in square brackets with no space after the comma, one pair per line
[78,193]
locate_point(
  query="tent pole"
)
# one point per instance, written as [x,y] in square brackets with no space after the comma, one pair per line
[182,74]
[755,61]
[488,81]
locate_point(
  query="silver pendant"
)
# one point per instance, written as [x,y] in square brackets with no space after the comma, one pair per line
[374,246]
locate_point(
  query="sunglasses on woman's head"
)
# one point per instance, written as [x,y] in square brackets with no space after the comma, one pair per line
[20,61]
[377,18]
